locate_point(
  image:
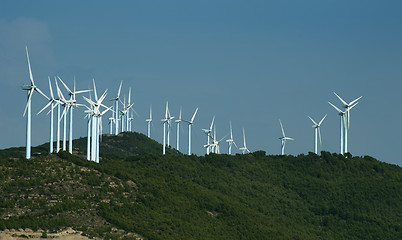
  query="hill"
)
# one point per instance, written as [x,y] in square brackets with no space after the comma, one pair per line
[151,196]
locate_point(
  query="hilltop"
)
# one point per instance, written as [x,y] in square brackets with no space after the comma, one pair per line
[134,192]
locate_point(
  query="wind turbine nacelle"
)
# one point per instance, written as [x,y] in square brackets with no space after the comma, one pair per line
[26,87]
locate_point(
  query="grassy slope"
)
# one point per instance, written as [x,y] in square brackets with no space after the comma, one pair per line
[218,196]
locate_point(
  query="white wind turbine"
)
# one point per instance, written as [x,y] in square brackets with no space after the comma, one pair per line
[347,107]
[244,149]
[343,127]
[215,143]
[149,121]
[317,132]
[283,139]
[116,109]
[30,90]
[166,121]
[208,132]
[52,103]
[178,121]
[72,102]
[231,141]
[96,121]
[190,123]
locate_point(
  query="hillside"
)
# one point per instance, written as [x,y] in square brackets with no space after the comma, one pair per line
[131,194]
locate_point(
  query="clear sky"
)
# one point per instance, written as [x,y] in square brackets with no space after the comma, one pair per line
[251,62]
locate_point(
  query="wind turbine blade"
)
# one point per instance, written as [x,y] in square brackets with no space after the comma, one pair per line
[244,138]
[180,114]
[47,105]
[50,88]
[322,120]
[312,120]
[195,113]
[59,93]
[96,95]
[82,91]
[337,109]
[319,135]
[150,112]
[74,88]
[64,111]
[283,132]
[65,86]
[235,145]
[29,67]
[118,93]
[231,132]
[106,110]
[357,99]
[89,100]
[212,124]
[129,96]
[29,99]
[345,103]
[39,91]
[102,97]
[167,109]
[350,108]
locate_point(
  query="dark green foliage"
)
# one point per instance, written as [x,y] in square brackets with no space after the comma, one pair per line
[250,196]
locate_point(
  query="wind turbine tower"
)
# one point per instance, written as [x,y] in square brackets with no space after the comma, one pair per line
[149,121]
[178,132]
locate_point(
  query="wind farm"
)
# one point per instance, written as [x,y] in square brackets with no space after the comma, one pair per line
[122,113]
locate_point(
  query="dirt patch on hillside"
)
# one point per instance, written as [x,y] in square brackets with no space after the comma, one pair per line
[68,234]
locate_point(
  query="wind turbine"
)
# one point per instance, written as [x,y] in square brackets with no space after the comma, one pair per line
[215,143]
[244,149]
[30,90]
[230,141]
[190,123]
[116,108]
[149,121]
[208,132]
[51,103]
[178,132]
[347,107]
[96,121]
[71,104]
[166,121]
[317,131]
[343,127]
[283,139]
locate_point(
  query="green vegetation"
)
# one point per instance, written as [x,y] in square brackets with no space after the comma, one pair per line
[251,196]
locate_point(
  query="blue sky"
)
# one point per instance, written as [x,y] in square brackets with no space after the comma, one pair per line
[251,62]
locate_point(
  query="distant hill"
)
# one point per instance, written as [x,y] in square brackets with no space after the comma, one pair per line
[135,192]
[117,146]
